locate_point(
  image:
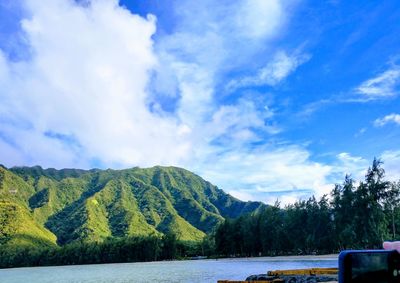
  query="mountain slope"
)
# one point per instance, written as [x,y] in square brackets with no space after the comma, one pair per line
[91,205]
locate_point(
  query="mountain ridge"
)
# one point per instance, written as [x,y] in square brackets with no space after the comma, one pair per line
[69,205]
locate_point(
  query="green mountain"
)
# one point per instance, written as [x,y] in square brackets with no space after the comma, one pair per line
[47,207]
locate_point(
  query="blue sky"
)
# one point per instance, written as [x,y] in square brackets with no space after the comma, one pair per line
[266,99]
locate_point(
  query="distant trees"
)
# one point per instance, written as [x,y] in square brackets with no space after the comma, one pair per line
[343,213]
[363,214]
[129,249]
[356,216]
[304,227]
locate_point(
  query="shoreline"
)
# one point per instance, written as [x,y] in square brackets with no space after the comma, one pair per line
[261,258]
[289,257]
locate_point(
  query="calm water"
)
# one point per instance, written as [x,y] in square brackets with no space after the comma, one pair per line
[172,271]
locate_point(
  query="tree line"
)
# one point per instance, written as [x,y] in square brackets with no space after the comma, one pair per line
[129,249]
[357,216]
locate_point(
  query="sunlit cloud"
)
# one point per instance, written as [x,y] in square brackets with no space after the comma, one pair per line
[354,166]
[84,98]
[87,82]
[286,168]
[391,159]
[276,71]
[383,85]
[391,118]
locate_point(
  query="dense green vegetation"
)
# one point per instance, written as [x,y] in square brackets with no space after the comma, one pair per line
[128,249]
[53,215]
[357,216]
[61,217]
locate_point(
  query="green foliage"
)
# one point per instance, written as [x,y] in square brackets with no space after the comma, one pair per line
[359,217]
[111,250]
[78,208]
[39,199]
[37,172]
[18,228]
[166,213]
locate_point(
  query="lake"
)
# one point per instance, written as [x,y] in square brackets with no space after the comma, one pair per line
[166,271]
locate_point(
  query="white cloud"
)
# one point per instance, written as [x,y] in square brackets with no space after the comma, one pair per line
[241,195]
[285,200]
[348,164]
[357,166]
[391,118]
[3,67]
[310,108]
[86,80]
[283,197]
[360,132]
[382,86]
[239,119]
[259,18]
[288,174]
[391,159]
[83,96]
[277,70]
[284,168]
[213,38]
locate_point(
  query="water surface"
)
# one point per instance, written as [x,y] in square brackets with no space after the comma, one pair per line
[165,271]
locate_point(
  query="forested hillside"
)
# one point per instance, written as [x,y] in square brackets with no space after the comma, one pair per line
[48,207]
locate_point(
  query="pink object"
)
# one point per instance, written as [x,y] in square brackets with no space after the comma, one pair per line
[392,246]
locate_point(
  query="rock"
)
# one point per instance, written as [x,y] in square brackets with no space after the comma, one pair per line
[260,277]
[295,278]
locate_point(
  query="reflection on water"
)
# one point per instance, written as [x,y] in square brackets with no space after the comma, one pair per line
[171,271]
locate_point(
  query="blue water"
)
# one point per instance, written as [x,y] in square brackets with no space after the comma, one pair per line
[166,271]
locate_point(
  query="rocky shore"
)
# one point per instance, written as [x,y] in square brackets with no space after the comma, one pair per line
[294,278]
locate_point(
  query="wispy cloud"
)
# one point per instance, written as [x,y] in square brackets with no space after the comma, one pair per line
[284,197]
[357,166]
[391,118]
[288,174]
[310,108]
[383,85]
[273,73]
[360,132]
[391,159]
[208,44]
[279,168]
[348,164]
